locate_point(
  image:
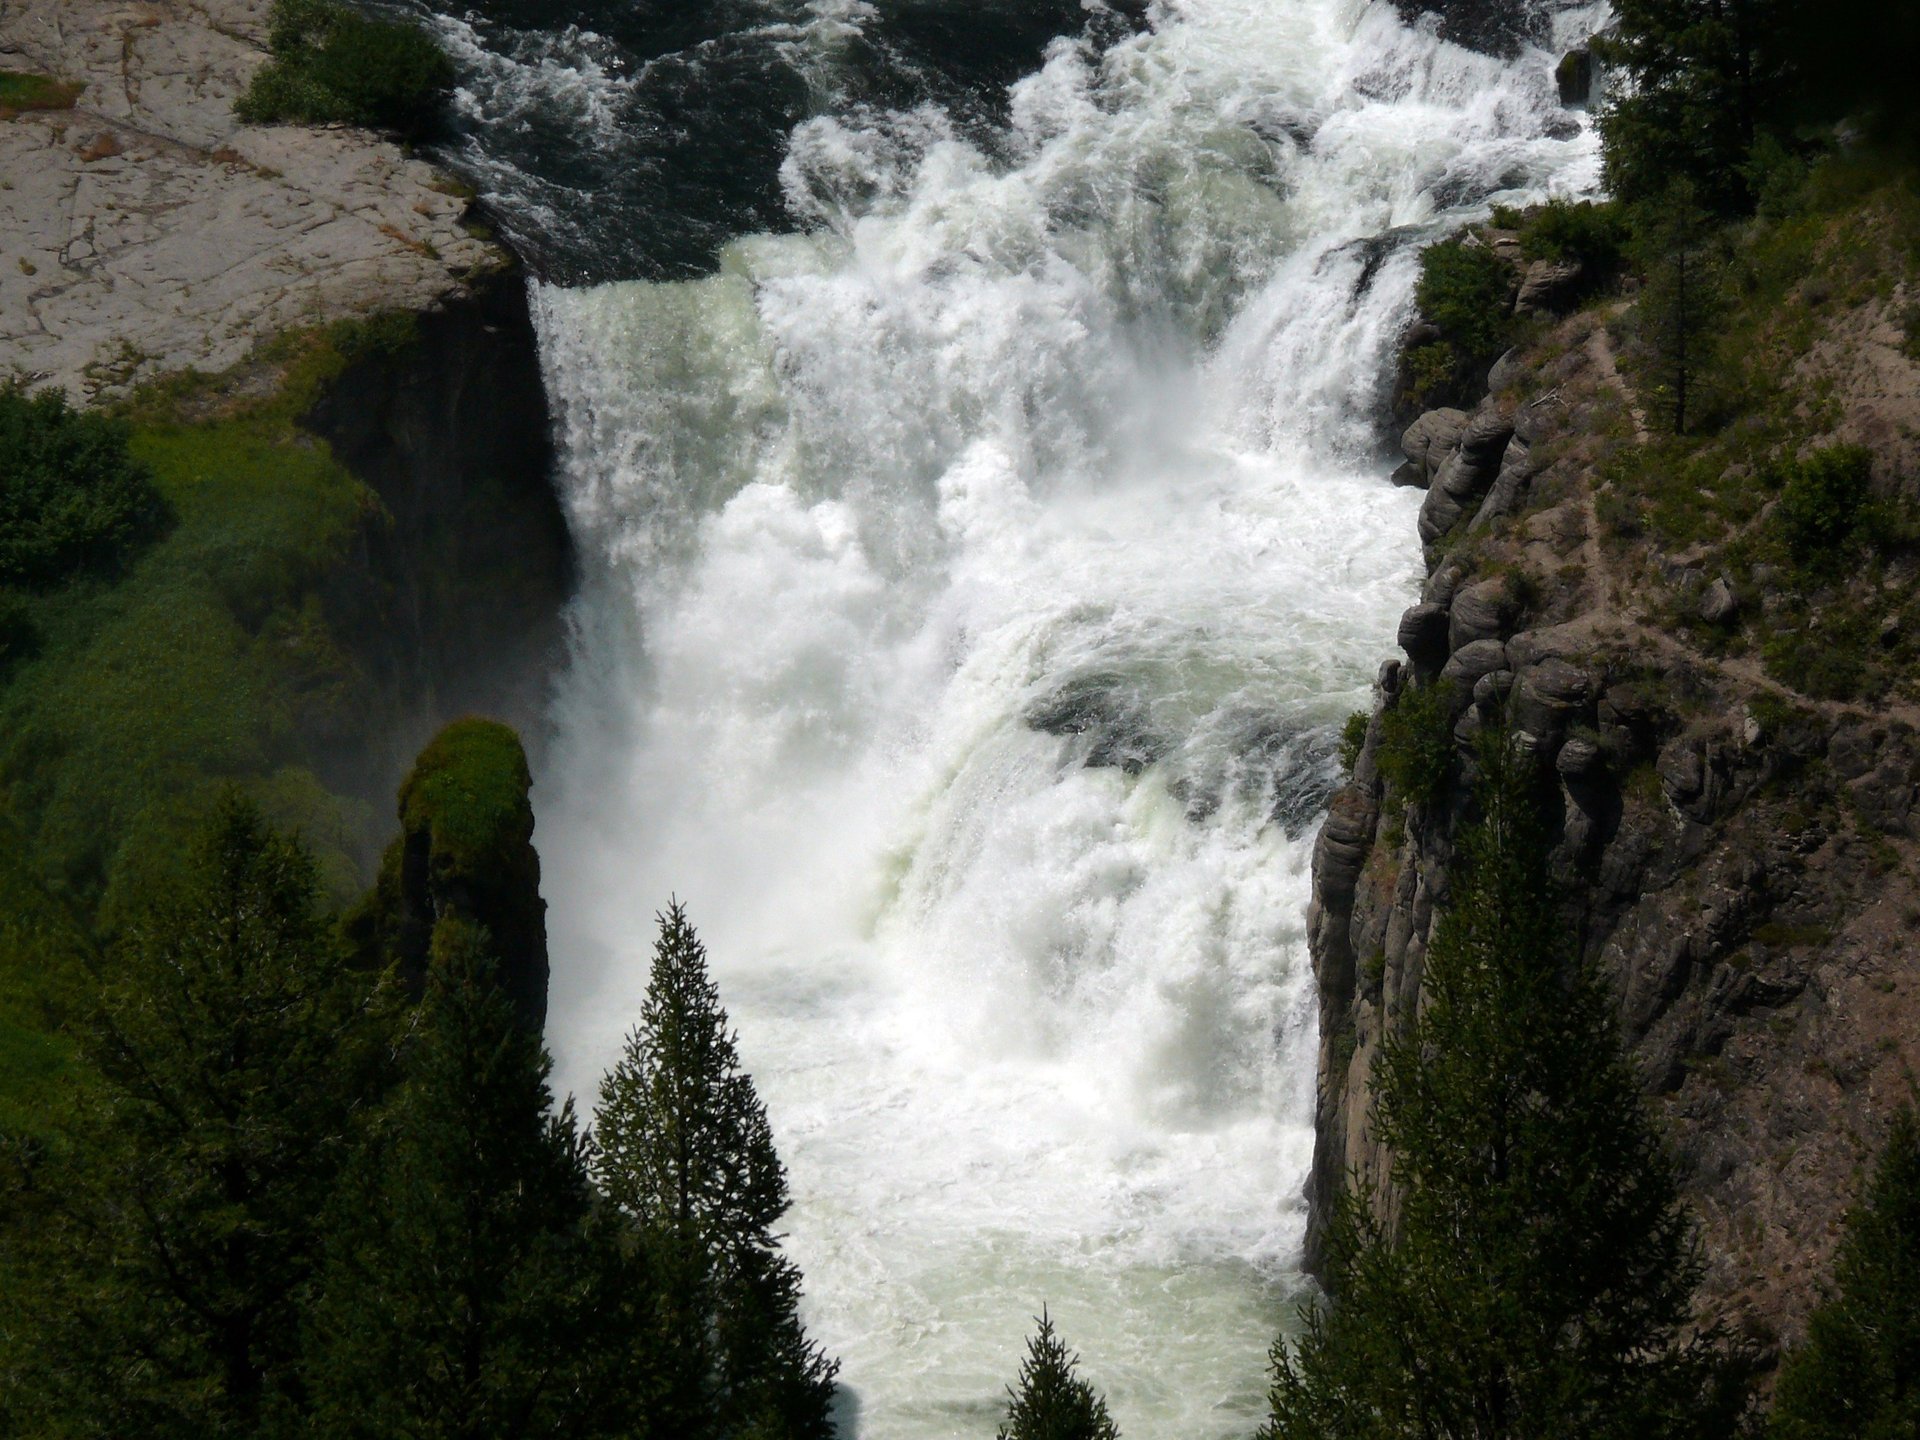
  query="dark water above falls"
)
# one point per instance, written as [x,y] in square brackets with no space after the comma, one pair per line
[969,421]
[634,140]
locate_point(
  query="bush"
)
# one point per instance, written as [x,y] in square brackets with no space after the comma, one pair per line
[333,66]
[1416,743]
[1823,502]
[1562,230]
[71,498]
[1467,291]
[1353,738]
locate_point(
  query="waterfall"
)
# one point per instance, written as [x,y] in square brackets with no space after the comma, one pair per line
[974,582]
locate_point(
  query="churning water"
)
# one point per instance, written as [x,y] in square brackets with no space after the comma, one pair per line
[975,577]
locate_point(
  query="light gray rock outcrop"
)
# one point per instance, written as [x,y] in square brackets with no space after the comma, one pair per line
[147,230]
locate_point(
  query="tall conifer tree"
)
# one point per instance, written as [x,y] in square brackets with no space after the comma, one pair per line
[1051,1402]
[1858,1375]
[686,1153]
[467,1295]
[178,1220]
[1539,1275]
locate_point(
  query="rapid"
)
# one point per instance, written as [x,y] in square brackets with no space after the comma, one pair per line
[984,531]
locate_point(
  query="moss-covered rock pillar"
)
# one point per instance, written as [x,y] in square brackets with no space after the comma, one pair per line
[465,853]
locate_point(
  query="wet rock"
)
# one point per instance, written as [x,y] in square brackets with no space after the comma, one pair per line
[1574,76]
[1432,438]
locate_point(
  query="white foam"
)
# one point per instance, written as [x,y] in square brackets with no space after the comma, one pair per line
[887,530]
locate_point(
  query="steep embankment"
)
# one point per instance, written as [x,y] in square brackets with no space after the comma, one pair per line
[332,378]
[1709,644]
[147,230]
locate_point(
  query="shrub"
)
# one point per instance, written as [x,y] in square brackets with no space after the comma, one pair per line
[1353,736]
[1416,743]
[71,498]
[1562,230]
[1823,502]
[333,66]
[1467,291]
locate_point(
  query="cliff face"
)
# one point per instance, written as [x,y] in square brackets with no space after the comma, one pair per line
[1737,846]
[455,606]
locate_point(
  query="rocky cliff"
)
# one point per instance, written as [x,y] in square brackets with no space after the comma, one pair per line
[1735,829]
[454,604]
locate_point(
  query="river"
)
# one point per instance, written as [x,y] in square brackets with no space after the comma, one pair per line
[970,419]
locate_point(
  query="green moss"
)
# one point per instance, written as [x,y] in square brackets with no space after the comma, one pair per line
[129,702]
[469,791]
[44,954]
[19,91]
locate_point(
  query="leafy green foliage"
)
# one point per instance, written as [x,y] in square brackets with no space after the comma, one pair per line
[1537,1278]
[1050,1402]
[1855,1377]
[1353,738]
[1593,234]
[465,1293]
[233,1050]
[332,65]
[1415,753]
[1703,76]
[1685,296]
[1824,503]
[686,1155]
[1466,291]
[71,497]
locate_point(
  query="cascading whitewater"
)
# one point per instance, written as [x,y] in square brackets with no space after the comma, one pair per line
[974,584]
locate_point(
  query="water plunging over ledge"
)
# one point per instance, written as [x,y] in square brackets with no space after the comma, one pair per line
[975,581]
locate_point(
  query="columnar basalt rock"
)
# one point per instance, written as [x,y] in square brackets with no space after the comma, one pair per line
[1730,858]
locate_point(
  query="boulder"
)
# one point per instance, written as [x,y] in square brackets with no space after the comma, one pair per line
[1490,691]
[1579,758]
[1481,612]
[1548,285]
[1719,605]
[1503,497]
[1424,635]
[1574,76]
[1548,694]
[1467,664]
[1505,372]
[1430,439]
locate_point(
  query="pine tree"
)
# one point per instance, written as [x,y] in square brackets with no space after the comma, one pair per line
[1051,1402]
[1538,1277]
[1703,78]
[686,1154]
[1858,1375]
[467,1294]
[1683,300]
[177,1221]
